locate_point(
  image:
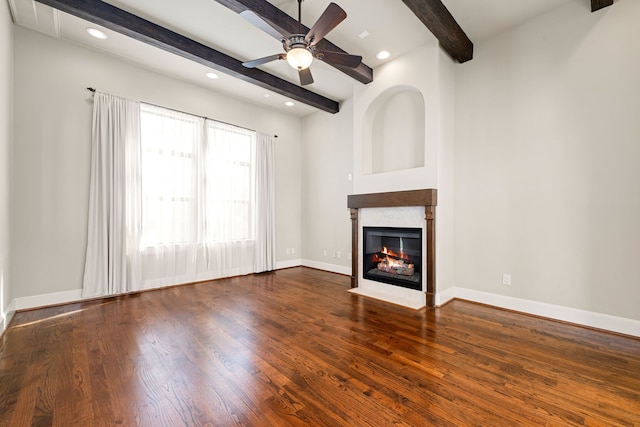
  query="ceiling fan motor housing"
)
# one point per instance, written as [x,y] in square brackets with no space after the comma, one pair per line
[294,41]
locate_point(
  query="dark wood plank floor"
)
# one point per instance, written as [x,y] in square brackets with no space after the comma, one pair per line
[295,348]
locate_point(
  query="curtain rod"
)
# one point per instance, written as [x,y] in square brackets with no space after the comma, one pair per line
[93,90]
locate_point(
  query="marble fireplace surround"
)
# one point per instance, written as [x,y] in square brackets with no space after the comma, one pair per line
[426,198]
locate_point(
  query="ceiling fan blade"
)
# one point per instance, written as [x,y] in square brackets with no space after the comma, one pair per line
[260,61]
[261,23]
[339,58]
[305,76]
[330,18]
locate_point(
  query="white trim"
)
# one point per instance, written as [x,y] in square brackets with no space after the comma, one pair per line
[327,267]
[444,297]
[6,317]
[566,314]
[280,265]
[44,300]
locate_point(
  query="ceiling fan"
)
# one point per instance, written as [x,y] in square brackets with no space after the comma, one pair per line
[300,49]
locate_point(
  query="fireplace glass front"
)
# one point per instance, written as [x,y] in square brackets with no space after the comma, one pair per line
[393,255]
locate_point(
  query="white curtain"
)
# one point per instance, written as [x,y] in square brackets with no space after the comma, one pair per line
[175,199]
[200,224]
[265,257]
[171,153]
[112,263]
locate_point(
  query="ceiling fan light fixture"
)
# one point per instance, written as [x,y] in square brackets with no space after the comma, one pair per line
[299,58]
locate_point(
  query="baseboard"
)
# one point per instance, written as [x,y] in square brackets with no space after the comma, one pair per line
[56,298]
[590,319]
[444,297]
[288,264]
[6,317]
[45,300]
[327,267]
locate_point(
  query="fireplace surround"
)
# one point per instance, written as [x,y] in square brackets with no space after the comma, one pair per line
[426,198]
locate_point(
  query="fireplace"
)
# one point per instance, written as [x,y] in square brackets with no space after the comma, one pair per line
[401,291]
[393,255]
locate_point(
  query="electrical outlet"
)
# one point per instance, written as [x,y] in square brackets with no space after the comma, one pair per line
[293,251]
[339,254]
[324,252]
[506,279]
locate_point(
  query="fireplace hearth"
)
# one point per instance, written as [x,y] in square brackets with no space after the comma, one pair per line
[393,255]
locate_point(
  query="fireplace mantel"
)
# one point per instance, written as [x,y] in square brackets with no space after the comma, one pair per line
[426,198]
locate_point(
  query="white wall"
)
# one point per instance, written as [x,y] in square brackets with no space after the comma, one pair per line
[547,161]
[52,152]
[328,161]
[6,89]
[418,71]
[445,238]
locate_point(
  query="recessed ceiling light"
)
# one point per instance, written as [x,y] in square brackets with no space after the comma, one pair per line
[267,95]
[289,104]
[363,34]
[97,33]
[213,76]
[383,54]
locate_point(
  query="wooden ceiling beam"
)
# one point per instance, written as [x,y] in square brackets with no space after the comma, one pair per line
[599,4]
[130,25]
[288,25]
[437,18]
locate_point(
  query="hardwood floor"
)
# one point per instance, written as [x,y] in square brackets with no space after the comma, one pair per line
[295,348]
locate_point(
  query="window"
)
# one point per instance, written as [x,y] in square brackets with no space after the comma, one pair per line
[197,180]
[230,159]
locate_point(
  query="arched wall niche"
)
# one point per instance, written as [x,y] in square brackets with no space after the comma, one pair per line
[394,131]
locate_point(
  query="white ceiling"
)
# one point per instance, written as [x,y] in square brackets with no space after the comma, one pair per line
[390,24]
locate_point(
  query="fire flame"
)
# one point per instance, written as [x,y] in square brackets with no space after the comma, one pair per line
[389,253]
[393,262]
[391,258]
